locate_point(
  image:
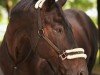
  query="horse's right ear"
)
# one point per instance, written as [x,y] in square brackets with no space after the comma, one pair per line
[50,4]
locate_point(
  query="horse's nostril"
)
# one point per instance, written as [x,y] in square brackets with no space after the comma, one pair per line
[81,73]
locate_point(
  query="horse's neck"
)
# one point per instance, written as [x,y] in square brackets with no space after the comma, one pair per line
[5,51]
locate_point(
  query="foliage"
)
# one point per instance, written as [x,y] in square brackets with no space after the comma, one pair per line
[0,16]
[3,16]
[2,2]
[80,4]
[83,5]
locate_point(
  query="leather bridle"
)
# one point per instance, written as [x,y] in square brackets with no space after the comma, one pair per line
[41,32]
[78,52]
[61,54]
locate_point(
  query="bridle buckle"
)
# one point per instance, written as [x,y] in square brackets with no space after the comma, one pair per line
[41,32]
[63,56]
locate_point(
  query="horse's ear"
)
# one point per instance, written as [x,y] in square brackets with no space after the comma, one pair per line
[50,4]
[62,2]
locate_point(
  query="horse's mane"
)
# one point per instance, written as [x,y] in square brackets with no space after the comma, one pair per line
[28,5]
[23,5]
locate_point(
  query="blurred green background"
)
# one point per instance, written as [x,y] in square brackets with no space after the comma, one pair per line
[88,6]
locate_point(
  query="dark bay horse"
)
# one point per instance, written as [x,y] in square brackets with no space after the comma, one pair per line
[39,41]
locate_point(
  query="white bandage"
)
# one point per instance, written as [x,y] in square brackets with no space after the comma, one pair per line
[82,55]
[75,50]
[40,3]
[79,53]
[56,0]
[77,56]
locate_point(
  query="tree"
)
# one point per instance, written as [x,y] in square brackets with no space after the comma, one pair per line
[8,4]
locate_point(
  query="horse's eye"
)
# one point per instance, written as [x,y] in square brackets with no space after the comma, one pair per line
[58,30]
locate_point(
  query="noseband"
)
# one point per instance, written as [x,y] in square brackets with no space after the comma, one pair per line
[67,54]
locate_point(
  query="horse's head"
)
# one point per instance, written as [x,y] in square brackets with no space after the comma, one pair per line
[56,43]
[48,35]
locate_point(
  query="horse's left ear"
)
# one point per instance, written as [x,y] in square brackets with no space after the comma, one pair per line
[62,2]
[50,4]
